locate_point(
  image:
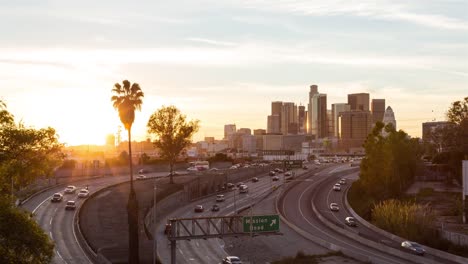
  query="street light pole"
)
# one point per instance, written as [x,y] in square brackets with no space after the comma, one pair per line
[155,242]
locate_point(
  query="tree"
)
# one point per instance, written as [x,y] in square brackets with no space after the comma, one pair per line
[172,133]
[128,98]
[22,239]
[6,118]
[458,112]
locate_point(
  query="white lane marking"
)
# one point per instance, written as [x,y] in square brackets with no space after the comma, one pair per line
[320,230]
[37,207]
[50,222]
[61,256]
[51,237]
[182,253]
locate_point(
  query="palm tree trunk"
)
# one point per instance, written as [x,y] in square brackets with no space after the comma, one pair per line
[171,165]
[132,213]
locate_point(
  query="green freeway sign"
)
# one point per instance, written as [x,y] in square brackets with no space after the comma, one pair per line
[261,223]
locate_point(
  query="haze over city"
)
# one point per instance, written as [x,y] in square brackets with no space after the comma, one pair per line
[224,62]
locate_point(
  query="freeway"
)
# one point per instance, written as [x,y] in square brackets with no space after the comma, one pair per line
[296,206]
[326,195]
[212,250]
[58,223]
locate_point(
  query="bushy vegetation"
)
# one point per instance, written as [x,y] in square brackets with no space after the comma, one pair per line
[404,218]
[302,258]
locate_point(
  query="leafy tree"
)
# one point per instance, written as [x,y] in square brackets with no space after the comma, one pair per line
[22,240]
[128,98]
[6,118]
[172,133]
[26,153]
[458,112]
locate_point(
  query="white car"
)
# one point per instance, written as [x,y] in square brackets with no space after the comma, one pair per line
[220,198]
[334,207]
[83,193]
[140,177]
[342,181]
[337,187]
[70,205]
[70,189]
[231,260]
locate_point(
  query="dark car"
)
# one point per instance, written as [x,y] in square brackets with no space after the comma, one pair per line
[276,178]
[230,185]
[272,173]
[413,247]
[167,229]
[199,209]
[254,179]
[350,221]
[57,197]
[215,208]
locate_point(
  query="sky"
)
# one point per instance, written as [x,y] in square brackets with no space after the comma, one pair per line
[225,61]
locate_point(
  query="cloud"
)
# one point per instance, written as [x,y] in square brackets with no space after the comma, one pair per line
[212,42]
[375,9]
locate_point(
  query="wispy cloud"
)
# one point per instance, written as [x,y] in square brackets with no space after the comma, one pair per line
[212,42]
[375,9]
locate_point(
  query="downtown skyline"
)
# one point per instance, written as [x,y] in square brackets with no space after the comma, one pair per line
[224,62]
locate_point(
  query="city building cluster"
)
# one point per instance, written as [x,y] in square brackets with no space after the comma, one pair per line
[293,129]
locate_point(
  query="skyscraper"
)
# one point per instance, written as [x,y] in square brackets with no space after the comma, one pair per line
[378,110]
[359,101]
[389,117]
[289,118]
[354,128]
[276,109]
[337,109]
[302,119]
[229,130]
[273,124]
[317,113]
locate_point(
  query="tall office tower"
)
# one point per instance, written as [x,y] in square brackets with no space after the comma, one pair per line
[329,123]
[354,128]
[337,109]
[378,110]
[302,119]
[359,101]
[273,124]
[389,117]
[317,114]
[310,112]
[229,130]
[244,131]
[276,108]
[288,118]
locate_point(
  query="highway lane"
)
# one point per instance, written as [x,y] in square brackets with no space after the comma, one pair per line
[58,223]
[297,208]
[326,195]
[212,250]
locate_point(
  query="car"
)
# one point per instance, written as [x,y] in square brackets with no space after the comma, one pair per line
[240,183]
[57,197]
[305,167]
[214,208]
[199,208]
[140,177]
[230,185]
[337,187]
[71,205]
[413,247]
[231,260]
[70,189]
[142,171]
[83,193]
[288,173]
[334,207]
[220,198]
[350,221]
[275,178]
[342,181]
[243,189]
[272,173]
[254,179]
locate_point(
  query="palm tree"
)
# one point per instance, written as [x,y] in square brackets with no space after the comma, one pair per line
[126,100]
